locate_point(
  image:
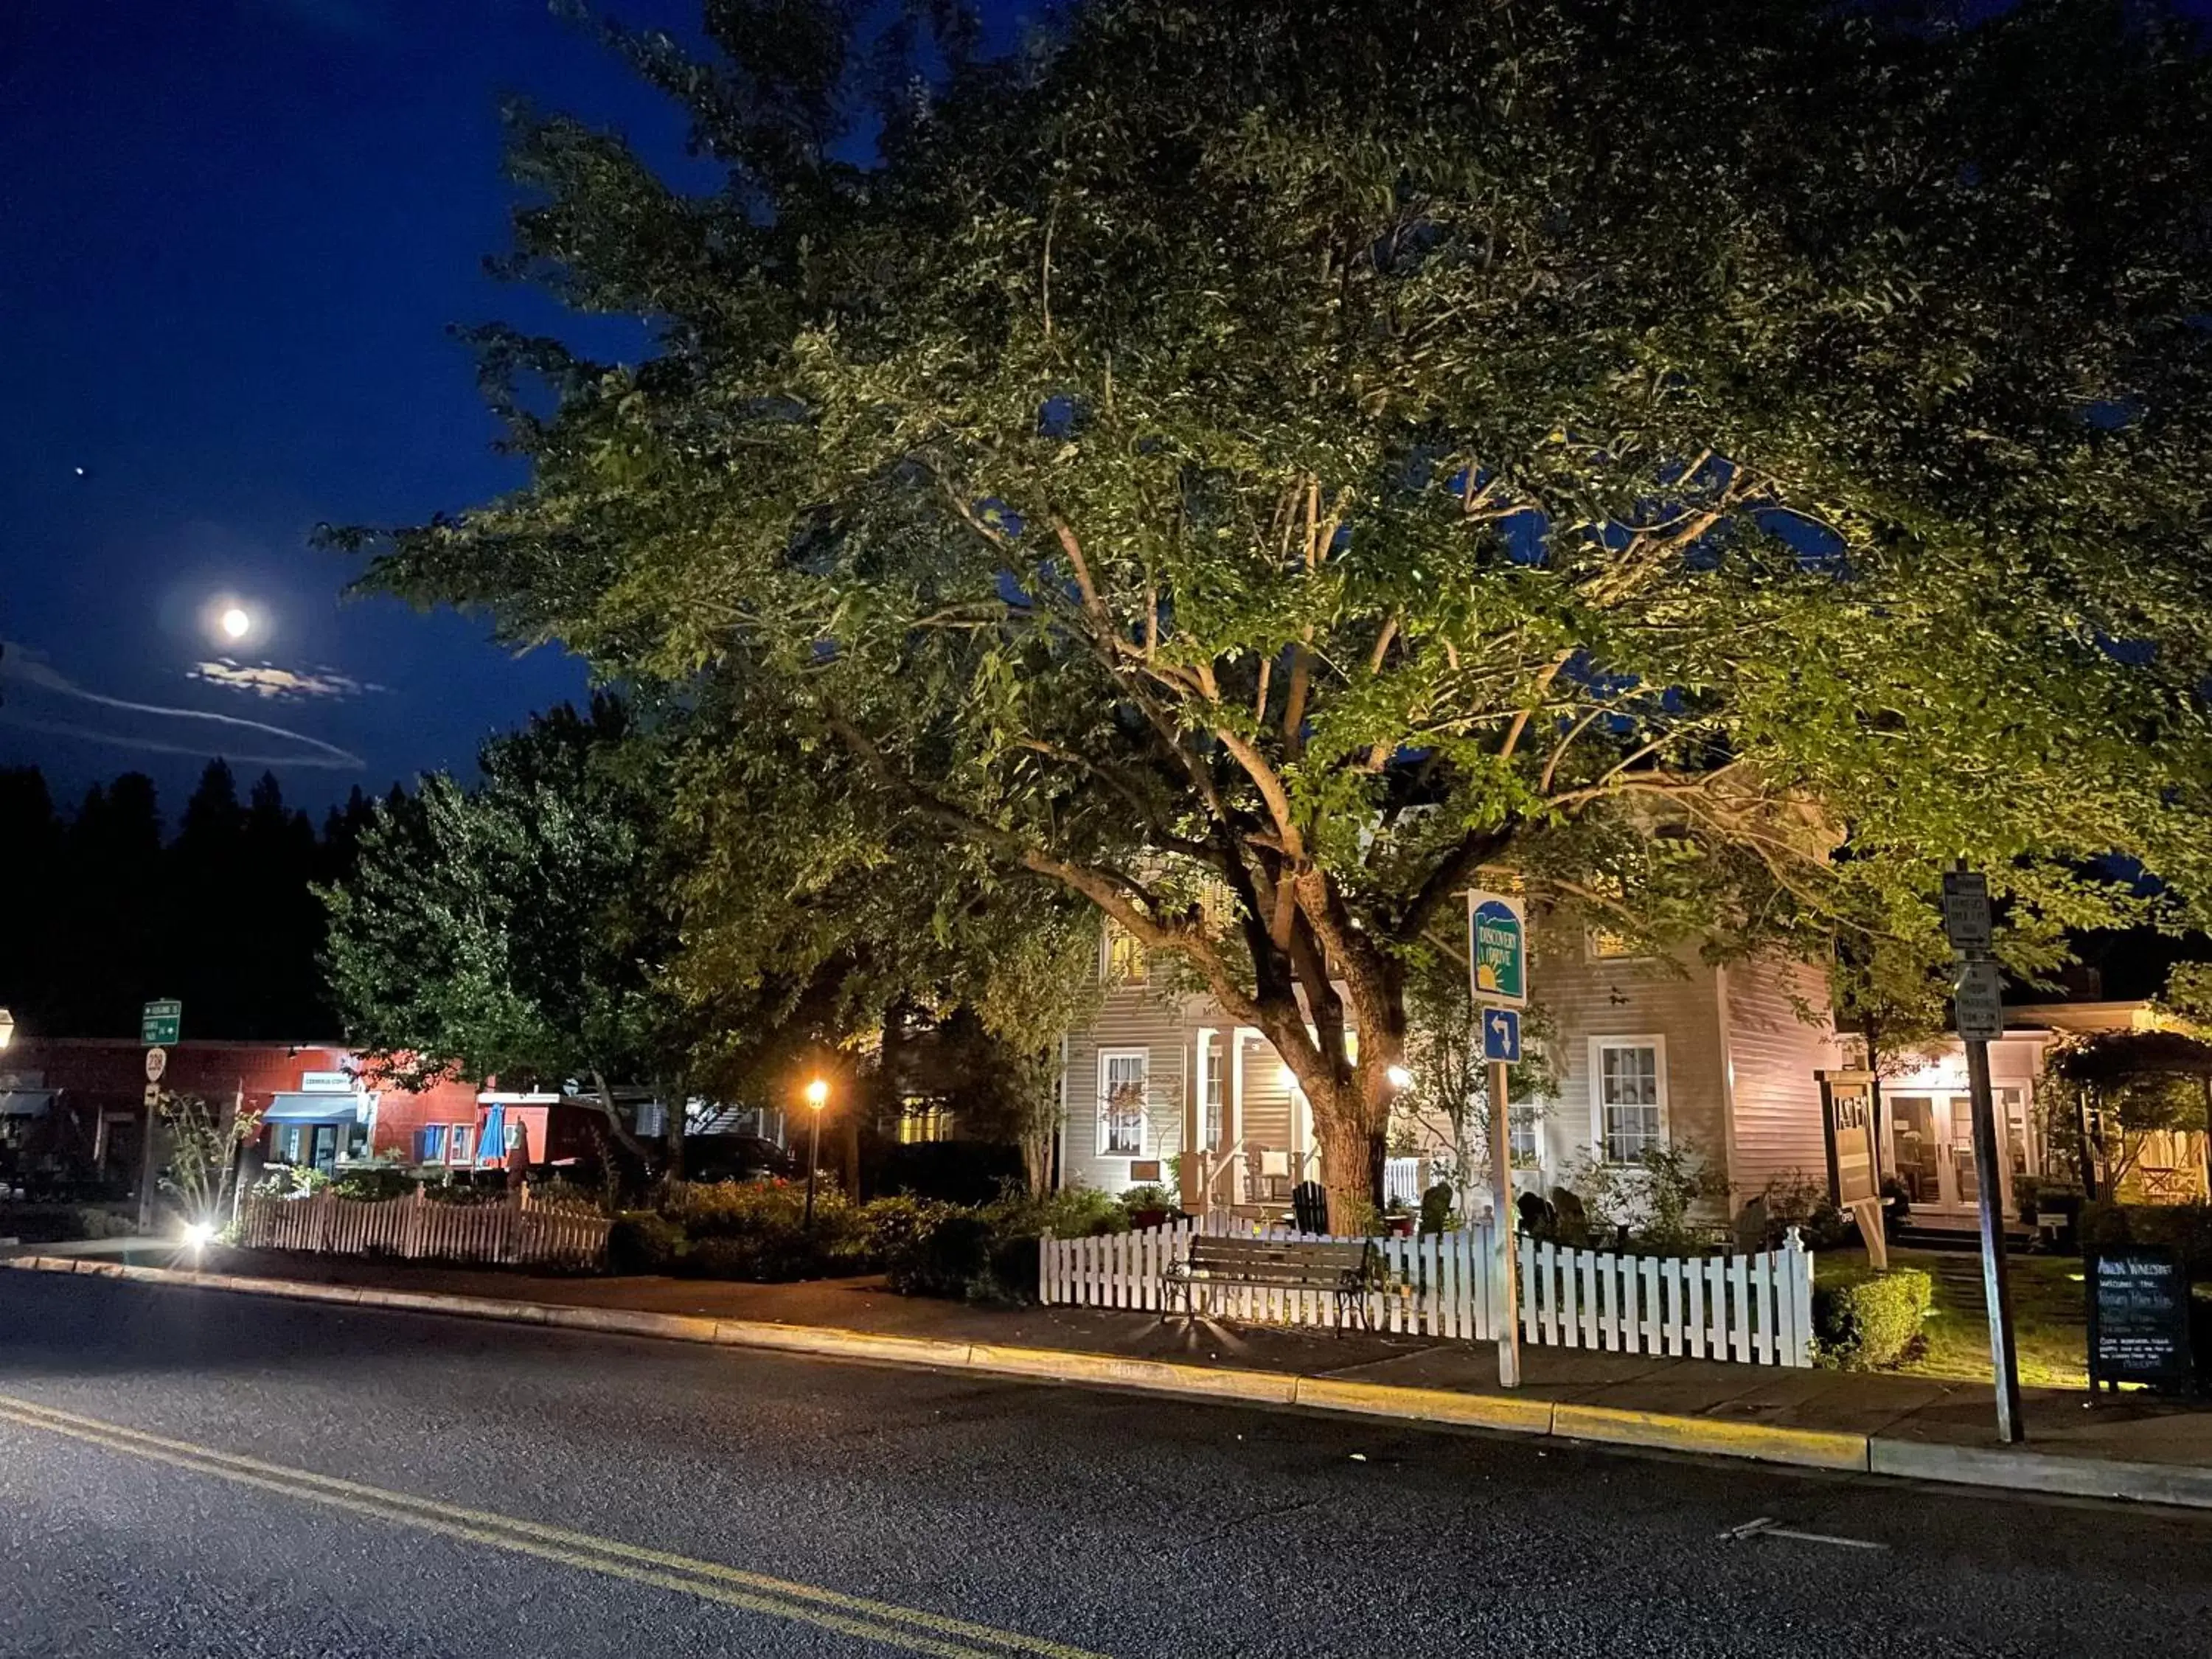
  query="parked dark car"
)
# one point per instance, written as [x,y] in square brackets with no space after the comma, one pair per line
[737,1157]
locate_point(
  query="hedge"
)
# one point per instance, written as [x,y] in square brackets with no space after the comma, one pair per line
[1868,1321]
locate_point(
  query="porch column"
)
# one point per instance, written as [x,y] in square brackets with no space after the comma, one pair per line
[1198,1156]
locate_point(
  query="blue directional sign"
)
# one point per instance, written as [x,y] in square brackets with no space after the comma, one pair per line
[1501,1034]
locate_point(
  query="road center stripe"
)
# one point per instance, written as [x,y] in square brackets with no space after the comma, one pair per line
[752,1592]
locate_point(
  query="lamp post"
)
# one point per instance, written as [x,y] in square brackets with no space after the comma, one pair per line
[817,1096]
[7,1027]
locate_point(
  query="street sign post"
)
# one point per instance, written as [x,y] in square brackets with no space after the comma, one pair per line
[1979,1006]
[1501,1035]
[161,1023]
[1498,972]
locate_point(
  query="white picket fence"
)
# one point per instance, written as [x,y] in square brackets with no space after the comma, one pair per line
[514,1233]
[1753,1309]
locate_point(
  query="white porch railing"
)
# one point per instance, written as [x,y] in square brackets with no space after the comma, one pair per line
[510,1233]
[1402,1183]
[1753,1310]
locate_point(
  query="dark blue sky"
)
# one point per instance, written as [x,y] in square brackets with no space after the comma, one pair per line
[232,234]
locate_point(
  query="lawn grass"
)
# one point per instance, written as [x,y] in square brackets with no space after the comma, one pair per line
[2050,1317]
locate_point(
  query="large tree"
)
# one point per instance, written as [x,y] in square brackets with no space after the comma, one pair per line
[518,929]
[1262,468]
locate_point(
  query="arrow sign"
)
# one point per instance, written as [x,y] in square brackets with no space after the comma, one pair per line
[1501,1035]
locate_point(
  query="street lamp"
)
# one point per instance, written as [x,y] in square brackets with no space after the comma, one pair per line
[7,1027]
[818,1096]
[1400,1077]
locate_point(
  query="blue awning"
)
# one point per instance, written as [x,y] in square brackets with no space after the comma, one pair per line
[312,1108]
[25,1103]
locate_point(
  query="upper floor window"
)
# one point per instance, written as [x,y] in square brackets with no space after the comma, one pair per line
[1124,958]
[1606,946]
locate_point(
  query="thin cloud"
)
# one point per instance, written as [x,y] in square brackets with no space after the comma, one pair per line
[278,684]
[24,668]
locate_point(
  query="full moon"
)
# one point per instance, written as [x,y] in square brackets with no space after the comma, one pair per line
[236,623]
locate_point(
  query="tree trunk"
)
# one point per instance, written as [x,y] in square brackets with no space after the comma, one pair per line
[1352,1148]
[672,1131]
[606,1105]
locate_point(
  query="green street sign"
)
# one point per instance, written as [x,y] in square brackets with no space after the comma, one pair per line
[1497,949]
[159,1023]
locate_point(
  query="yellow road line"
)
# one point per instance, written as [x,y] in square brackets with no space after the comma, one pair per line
[712,1581]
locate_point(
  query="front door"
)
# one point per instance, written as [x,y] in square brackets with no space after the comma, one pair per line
[1932,1149]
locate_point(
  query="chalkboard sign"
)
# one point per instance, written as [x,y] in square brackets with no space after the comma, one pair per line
[2138,1317]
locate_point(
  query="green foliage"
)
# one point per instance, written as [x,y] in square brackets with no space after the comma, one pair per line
[56,1224]
[374,1184]
[1798,1200]
[201,1143]
[1869,1321]
[1139,1200]
[987,1253]
[1652,1198]
[1473,492]
[645,1241]
[510,930]
[291,1180]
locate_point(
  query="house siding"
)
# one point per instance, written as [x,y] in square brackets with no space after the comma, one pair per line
[1588,998]
[1131,1017]
[1773,1056]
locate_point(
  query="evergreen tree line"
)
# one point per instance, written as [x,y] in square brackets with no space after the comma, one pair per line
[106,907]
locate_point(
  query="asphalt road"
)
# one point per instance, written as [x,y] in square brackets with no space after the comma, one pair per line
[201,1474]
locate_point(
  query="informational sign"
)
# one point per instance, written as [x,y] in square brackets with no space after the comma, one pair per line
[1966,909]
[1501,1035]
[161,1023]
[153,1096]
[1979,1001]
[1849,1098]
[157,1061]
[2138,1317]
[1497,949]
[326,1083]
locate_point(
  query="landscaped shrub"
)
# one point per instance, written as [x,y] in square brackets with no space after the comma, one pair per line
[645,1241]
[1868,1321]
[758,1230]
[1797,1201]
[375,1183]
[983,1253]
[59,1224]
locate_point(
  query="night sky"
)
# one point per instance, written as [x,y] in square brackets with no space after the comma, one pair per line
[233,235]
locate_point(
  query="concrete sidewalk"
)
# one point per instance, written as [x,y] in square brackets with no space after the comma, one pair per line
[2141,1448]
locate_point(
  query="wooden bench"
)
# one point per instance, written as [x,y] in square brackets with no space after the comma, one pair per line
[1349,1270]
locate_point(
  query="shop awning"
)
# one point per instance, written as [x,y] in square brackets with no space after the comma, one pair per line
[312,1108]
[25,1103]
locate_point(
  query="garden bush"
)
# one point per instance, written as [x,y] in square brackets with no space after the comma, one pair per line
[757,1231]
[1869,1321]
[61,1224]
[645,1241]
[983,1253]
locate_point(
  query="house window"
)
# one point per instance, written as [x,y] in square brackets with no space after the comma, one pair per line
[1521,1136]
[457,1144]
[430,1143]
[1628,1084]
[922,1120]
[1121,1079]
[1210,1108]
[1606,946]
[1124,962]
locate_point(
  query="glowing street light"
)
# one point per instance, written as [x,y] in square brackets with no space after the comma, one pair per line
[818,1096]
[1400,1077]
[198,1235]
[7,1027]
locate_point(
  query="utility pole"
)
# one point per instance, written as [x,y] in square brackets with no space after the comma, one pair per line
[160,1025]
[1979,1006]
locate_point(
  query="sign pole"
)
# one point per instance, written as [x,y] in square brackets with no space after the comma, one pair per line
[1979,1006]
[1504,1235]
[1997,1288]
[160,1023]
[1497,981]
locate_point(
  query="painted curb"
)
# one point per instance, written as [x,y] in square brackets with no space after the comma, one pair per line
[1119,1371]
[1811,1449]
[1513,1414]
[842,1343]
[2182,1485]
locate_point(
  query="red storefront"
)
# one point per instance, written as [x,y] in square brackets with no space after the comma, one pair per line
[80,1102]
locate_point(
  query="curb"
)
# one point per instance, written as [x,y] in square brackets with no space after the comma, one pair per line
[1814,1448]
